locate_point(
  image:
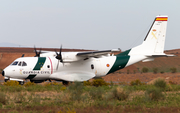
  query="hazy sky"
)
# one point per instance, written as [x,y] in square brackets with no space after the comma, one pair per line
[86,24]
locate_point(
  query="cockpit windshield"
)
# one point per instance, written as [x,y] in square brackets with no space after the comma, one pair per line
[15,63]
[19,63]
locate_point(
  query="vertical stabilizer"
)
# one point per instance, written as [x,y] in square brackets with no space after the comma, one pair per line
[155,39]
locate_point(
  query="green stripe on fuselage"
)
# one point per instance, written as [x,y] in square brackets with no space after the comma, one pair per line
[121,61]
[40,63]
[38,66]
[30,76]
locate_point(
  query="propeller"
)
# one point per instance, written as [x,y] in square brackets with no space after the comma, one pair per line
[37,53]
[59,57]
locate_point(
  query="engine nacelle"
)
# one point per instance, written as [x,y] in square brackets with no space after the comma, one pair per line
[70,57]
[66,56]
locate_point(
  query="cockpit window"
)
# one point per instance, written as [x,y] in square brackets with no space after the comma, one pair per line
[19,63]
[15,63]
[24,64]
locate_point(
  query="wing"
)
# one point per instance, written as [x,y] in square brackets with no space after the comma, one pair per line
[69,57]
[72,76]
[97,53]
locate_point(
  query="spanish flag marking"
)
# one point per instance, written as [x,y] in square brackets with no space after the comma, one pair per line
[161,18]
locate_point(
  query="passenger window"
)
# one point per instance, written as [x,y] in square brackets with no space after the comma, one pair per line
[15,63]
[24,64]
[48,66]
[19,64]
[92,66]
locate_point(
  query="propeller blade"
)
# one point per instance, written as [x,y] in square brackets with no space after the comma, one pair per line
[57,65]
[59,56]
[22,55]
[37,53]
[61,60]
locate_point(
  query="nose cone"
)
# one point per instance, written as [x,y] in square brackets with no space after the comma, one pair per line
[3,73]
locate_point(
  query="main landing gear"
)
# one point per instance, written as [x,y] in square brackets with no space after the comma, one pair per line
[65,83]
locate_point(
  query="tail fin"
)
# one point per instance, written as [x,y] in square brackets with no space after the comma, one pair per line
[154,41]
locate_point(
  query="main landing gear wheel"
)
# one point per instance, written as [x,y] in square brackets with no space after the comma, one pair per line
[21,82]
[65,82]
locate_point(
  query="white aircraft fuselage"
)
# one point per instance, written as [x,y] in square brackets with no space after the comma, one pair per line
[39,68]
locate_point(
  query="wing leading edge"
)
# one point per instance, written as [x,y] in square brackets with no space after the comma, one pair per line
[97,53]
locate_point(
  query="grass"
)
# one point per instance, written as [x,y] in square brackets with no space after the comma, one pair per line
[77,98]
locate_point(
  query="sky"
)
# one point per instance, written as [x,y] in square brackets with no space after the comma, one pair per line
[85,24]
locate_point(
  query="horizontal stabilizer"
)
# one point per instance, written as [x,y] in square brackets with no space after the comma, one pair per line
[147,60]
[163,55]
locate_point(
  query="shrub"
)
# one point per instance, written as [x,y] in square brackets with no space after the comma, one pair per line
[67,111]
[3,99]
[160,83]
[145,69]
[134,71]
[155,70]
[76,90]
[47,84]
[172,83]
[36,99]
[1,70]
[128,71]
[119,93]
[63,88]
[27,84]
[99,82]
[154,94]
[136,82]
[96,93]
[162,72]
[111,83]
[173,70]
[123,83]
[87,83]
[55,83]
[19,98]
[11,83]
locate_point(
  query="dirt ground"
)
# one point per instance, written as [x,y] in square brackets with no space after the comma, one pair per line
[120,109]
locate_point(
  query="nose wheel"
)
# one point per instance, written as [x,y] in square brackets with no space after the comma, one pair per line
[5,80]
